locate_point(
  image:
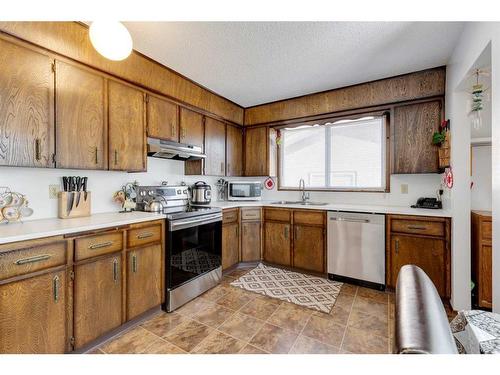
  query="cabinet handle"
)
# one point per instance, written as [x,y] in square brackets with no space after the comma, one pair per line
[173,130]
[134,263]
[100,245]
[286,232]
[141,236]
[237,231]
[37,258]
[396,246]
[115,270]
[37,149]
[417,227]
[228,167]
[296,233]
[55,287]
[116,157]
[96,156]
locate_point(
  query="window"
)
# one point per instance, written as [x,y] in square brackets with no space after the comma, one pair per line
[347,154]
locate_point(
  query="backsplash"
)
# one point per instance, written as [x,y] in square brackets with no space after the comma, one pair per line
[34,183]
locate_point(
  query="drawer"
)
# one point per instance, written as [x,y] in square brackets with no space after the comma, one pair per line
[92,246]
[277,214]
[144,235]
[229,216]
[32,258]
[486,230]
[250,214]
[429,228]
[309,217]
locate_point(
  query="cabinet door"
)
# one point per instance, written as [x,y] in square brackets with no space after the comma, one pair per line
[256,157]
[215,147]
[127,150]
[143,279]
[81,137]
[277,244]
[308,248]
[26,107]
[33,315]
[485,277]
[191,127]
[162,119]
[250,241]
[414,125]
[97,299]
[230,245]
[426,253]
[234,151]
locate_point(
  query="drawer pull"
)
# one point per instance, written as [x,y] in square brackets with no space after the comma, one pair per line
[417,227]
[37,149]
[37,258]
[115,270]
[100,245]
[142,236]
[55,285]
[396,245]
[134,263]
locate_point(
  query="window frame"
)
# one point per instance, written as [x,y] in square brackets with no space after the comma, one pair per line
[387,160]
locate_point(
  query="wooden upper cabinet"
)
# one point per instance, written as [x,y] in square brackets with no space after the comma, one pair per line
[234,151]
[81,136]
[26,107]
[215,147]
[260,152]
[413,127]
[33,315]
[162,119]
[191,127]
[97,299]
[144,279]
[127,150]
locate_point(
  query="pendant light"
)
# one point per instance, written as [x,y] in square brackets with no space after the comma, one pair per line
[111,39]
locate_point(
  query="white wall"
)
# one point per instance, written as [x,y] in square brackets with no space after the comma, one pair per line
[473,41]
[481,177]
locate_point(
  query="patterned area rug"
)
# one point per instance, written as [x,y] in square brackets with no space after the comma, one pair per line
[304,290]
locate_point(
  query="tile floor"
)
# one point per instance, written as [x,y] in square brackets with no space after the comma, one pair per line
[231,320]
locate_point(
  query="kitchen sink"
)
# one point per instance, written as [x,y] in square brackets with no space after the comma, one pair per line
[301,203]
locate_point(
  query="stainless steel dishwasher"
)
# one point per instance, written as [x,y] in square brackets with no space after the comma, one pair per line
[356,248]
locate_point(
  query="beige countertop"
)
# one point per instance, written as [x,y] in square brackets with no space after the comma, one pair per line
[30,230]
[366,208]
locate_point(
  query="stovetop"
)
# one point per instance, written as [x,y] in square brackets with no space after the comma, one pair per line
[181,212]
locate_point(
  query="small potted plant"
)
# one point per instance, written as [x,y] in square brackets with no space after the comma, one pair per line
[442,140]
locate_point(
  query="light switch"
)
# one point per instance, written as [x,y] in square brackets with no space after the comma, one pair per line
[404,188]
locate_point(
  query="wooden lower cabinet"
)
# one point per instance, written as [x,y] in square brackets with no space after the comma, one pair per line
[97,298]
[419,240]
[230,245]
[250,241]
[33,315]
[482,258]
[144,278]
[309,248]
[277,243]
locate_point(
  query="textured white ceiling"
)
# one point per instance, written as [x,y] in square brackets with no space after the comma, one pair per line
[257,62]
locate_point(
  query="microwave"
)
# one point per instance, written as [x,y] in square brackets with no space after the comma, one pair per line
[244,191]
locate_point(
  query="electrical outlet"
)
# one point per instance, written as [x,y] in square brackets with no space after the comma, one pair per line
[53,190]
[404,188]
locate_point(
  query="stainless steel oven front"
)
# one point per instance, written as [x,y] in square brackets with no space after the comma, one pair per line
[244,190]
[193,258]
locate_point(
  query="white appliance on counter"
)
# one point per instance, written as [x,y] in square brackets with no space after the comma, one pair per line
[356,248]
[244,190]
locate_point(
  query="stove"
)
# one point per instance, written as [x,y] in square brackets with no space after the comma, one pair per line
[193,259]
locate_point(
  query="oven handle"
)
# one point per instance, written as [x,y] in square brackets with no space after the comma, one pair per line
[182,224]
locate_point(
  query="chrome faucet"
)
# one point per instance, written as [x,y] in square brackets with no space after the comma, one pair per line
[302,187]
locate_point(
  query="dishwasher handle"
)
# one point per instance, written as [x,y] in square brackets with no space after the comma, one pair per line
[350,220]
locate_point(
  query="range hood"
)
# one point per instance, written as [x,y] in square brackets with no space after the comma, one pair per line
[159,148]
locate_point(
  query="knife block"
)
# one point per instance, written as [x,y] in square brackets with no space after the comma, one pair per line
[73,204]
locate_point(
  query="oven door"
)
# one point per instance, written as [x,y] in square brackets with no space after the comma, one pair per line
[194,248]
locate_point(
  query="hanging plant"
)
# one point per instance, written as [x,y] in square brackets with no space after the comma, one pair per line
[438,138]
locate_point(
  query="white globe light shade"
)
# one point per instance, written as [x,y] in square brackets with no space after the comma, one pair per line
[111,39]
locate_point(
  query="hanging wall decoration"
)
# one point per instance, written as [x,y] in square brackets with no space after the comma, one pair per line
[478,95]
